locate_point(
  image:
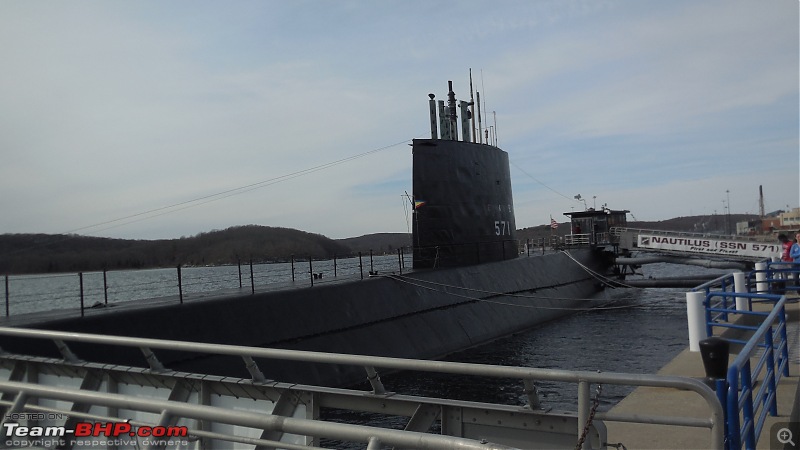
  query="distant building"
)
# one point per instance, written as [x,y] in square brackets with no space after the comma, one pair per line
[773,222]
[790,219]
[749,227]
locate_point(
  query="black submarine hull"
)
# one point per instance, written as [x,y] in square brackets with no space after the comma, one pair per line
[425,314]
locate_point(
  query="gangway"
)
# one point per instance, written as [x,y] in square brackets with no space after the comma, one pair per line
[739,250]
[206,411]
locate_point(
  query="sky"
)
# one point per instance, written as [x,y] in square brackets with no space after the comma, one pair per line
[151,120]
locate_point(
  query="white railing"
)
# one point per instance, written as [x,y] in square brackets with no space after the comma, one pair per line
[525,375]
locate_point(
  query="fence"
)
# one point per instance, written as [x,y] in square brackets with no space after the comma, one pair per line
[35,293]
[748,393]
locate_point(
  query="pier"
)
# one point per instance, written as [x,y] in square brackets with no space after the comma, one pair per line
[689,364]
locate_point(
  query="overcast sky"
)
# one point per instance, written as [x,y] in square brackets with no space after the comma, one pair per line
[155,119]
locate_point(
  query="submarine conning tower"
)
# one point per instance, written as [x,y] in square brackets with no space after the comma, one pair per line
[463,207]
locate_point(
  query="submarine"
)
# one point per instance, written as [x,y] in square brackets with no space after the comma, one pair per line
[469,284]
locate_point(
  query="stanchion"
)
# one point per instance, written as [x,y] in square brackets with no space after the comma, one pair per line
[180,285]
[80,280]
[740,287]
[7,298]
[400,259]
[105,285]
[762,285]
[695,314]
[252,281]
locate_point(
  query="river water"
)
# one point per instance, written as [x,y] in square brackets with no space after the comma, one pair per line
[639,332]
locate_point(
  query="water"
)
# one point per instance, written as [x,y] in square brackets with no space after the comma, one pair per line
[639,333]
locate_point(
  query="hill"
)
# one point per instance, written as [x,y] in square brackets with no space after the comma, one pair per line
[378,242]
[39,253]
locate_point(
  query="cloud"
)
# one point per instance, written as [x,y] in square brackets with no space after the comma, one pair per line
[110,109]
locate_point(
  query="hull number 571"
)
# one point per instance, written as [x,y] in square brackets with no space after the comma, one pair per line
[502,228]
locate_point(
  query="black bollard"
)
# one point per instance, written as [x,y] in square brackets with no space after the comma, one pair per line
[715,352]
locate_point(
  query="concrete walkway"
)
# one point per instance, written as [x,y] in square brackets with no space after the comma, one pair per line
[669,402]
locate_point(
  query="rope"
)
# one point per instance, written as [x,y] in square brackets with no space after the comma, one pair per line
[404,279]
[599,277]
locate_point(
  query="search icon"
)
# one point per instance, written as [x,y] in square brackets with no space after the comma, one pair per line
[785,437]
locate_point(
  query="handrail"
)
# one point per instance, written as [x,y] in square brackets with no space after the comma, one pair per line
[714,422]
[349,432]
[740,395]
[772,337]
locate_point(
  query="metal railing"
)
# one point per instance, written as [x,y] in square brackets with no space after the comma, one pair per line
[771,335]
[169,410]
[583,379]
[749,391]
[83,290]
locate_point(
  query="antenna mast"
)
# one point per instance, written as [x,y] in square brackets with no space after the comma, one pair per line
[472,103]
[761,201]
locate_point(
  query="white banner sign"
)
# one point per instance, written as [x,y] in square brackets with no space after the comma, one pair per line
[711,246]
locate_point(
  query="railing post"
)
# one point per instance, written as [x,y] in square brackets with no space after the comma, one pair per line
[80,280]
[400,259]
[732,424]
[360,265]
[105,285]
[293,268]
[7,298]
[180,285]
[784,356]
[740,287]
[239,265]
[748,416]
[334,265]
[371,266]
[310,272]
[252,280]
[720,387]
[532,392]
[695,314]
[762,286]
[770,373]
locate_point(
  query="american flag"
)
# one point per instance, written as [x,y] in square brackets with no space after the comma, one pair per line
[553,223]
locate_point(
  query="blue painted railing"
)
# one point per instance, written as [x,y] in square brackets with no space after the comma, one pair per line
[748,394]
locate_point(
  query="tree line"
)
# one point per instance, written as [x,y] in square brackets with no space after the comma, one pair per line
[44,253]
